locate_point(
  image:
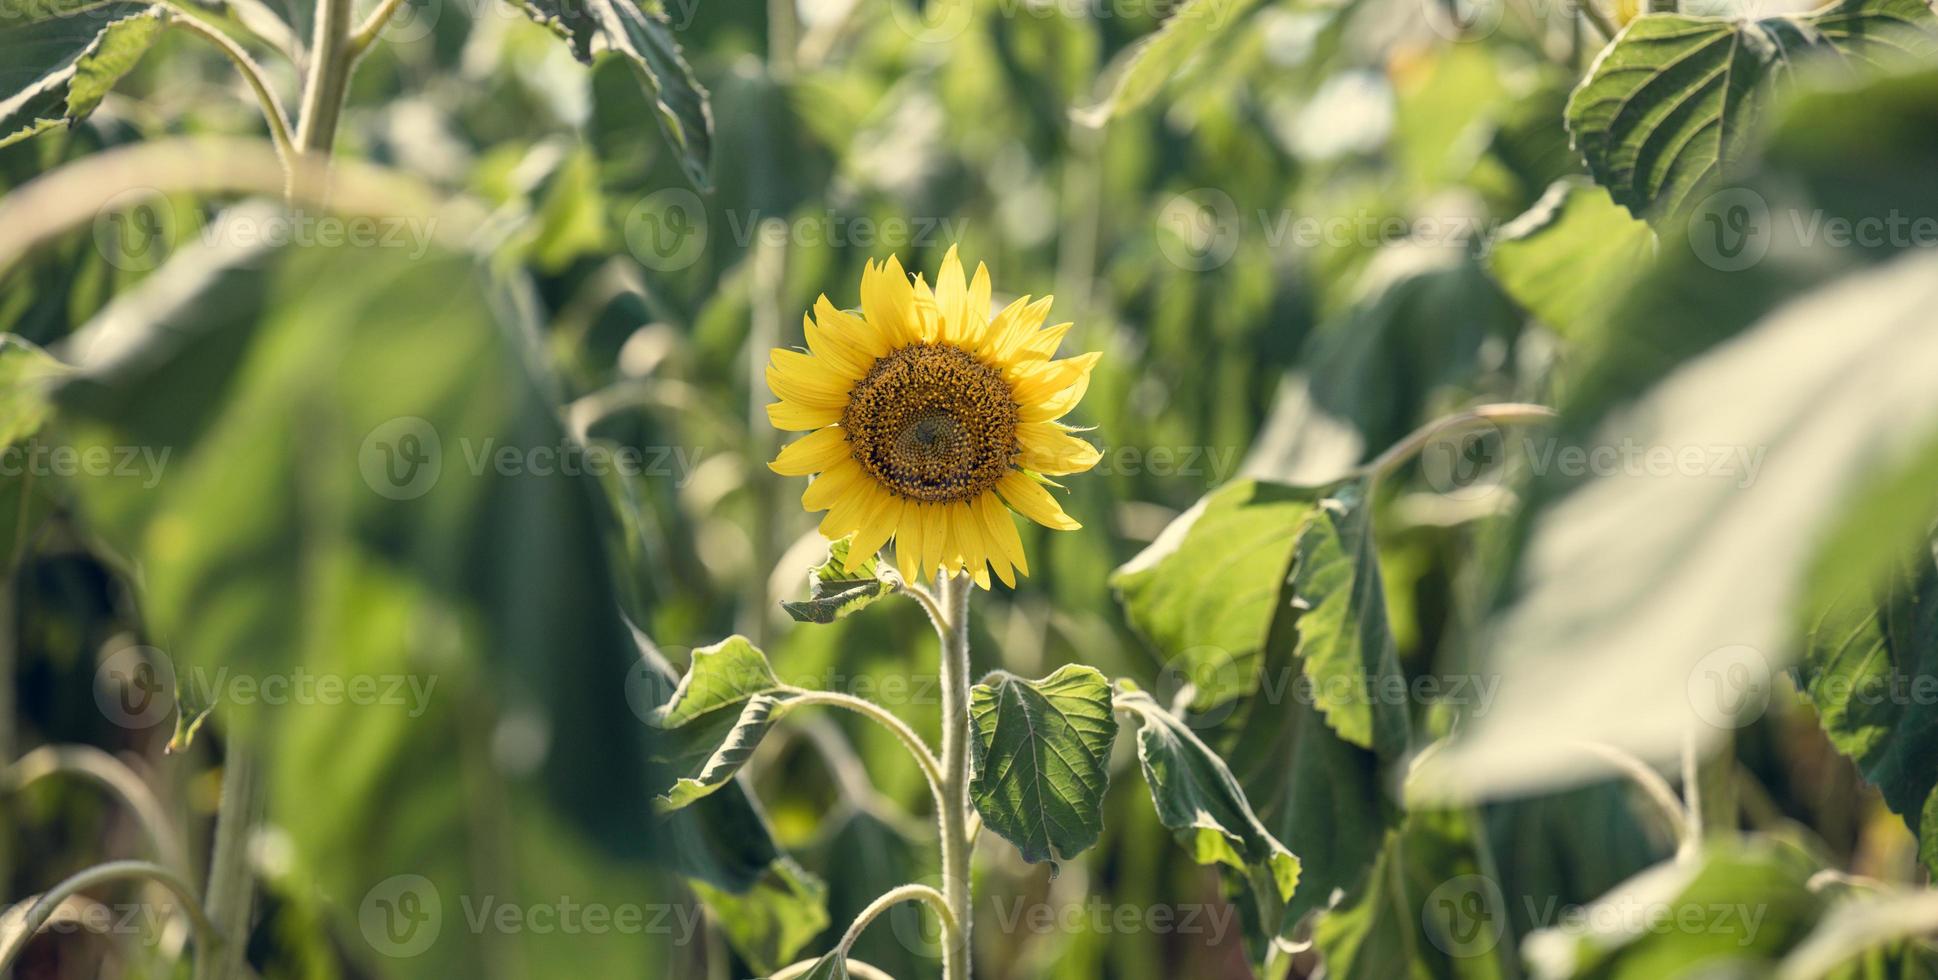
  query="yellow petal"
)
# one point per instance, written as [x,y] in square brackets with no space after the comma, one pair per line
[791,416]
[1045,378]
[876,527]
[888,301]
[830,485]
[1042,344]
[951,299]
[1032,501]
[999,529]
[1056,406]
[996,337]
[812,453]
[966,532]
[841,356]
[851,329]
[1049,449]
[1014,328]
[935,537]
[908,543]
[797,377]
[850,509]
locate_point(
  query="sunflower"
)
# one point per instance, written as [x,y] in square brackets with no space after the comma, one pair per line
[928,420]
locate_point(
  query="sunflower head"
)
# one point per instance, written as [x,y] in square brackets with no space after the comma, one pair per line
[928,420]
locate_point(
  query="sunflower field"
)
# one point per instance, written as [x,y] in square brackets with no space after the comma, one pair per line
[968,489]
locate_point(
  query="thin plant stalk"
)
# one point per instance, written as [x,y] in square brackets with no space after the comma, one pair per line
[231,888]
[952,820]
[207,939]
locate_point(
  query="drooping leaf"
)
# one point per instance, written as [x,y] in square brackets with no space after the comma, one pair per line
[644,39]
[1202,804]
[1615,608]
[58,59]
[835,590]
[1673,100]
[1039,766]
[1570,257]
[725,704]
[1141,70]
[1868,650]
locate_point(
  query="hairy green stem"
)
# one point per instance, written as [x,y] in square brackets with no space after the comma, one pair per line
[952,820]
[207,939]
[231,888]
[904,893]
[931,770]
[328,84]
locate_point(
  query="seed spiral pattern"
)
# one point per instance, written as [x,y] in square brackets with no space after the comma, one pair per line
[932,423]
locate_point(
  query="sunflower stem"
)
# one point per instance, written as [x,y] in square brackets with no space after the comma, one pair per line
[952,819]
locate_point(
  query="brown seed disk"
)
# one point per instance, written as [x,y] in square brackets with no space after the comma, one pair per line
[932,423]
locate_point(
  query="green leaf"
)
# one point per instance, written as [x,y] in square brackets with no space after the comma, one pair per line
[1609,614]
[1199,801]
[1737,906]
[1039,767]
[644,39]
[1345,646]
[769,923]
[724,706]
[275,544]
[835,590]
[1867,654]
[1571,256]
[1427,909]
[1673,99]
[1142,70]
[58,58]
[1204,591]
[26,374]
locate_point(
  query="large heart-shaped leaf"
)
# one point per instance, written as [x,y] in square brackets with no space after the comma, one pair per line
[57,60]
[1039,765]
[1674,98]
[724,706]
[645,40]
